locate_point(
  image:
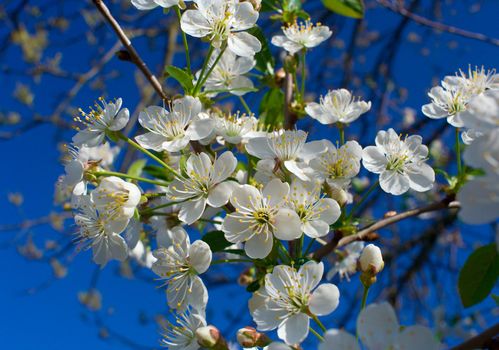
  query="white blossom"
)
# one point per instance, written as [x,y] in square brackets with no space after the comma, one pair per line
[172,131]
[291,299]
[204,184]
[151,4]
[400,163]
[287,147]
[337,106]
[259,216]
[338,166]
[316,213]
[180,264]
[228,74]
[371,259]
[181,335]
[108,117]
[299,36]
[235,128]
[106,243]
[104,154]
[116,200]
[346,264]
[475,81]
[223,21]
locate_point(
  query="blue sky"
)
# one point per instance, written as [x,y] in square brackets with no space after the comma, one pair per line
[52,318]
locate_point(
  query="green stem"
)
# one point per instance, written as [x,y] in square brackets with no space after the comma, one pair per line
[245,105]
[458,156]
[284,250]
[319,323]
[146,152]
[364,297]
[212,67]
[222,261]
[303,77]
[203,69]
[341,127]
[215,222]
[184,39]
[126,176]
[363,199]
[295,84]
[314,332]
[169,204]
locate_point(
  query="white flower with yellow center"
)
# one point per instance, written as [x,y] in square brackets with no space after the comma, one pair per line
[181,335]
[172,131]
[204,184]
[235,128]
[180,264]
[228,74]
[106,243]
[223,21]
[316,213]
[259,216]
[291,299]
[475,81]
[400,163]
[337,106]
[346,263]
[287,147]
[116,200]
[338,166]
[108,117]
[447,101]
[299,36]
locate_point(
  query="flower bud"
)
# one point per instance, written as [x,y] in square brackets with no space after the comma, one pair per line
[371,260]
[338,194]
[249,337]
[209,337]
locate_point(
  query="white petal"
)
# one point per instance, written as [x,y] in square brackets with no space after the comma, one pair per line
[287,225]
[195,24]
[393,182]
[259,246]
[121,120]
[151,140]
[417,338]
[311,274]
[220,194]
[224,167]
[275,192]
[192,210]
[422,179]
[339,339]
[315,228]
[324,299]
[245,16]
[199,129]
[373,159]
[144,4]
[295,329]
[200,256]
[259,147]
[244,196]
[377,326]
[197,295]
[243,44]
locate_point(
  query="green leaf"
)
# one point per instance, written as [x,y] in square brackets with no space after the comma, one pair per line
[235,251]
[180,75]
[253,286]
[272,108]
[348,8]
[158,172]
[137,167]
[479,275]
[216,240]
[264,59]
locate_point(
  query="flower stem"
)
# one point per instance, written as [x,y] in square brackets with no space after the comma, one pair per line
[223,261]
[303,77]
[186,45]
[314,332]
[319,323]
[146,152]
[309,246]
[126,176]
[363,199]
[341,128]
[203,69]
[245,105]
[458,156]
[150,211]
[211,68]
[364,297]
[215,222]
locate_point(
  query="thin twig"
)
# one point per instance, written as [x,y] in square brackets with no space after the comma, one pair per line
[135,58]
[480,341]
[437,25]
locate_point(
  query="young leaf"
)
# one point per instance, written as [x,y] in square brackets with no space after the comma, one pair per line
[158,172]
[137,167]
[272,108]
[479,275]
[348,8]
[216,240]
[180,75]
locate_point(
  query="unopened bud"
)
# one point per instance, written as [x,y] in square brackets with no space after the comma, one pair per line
[209,337]
[371,262]
[338,194]
[249,337]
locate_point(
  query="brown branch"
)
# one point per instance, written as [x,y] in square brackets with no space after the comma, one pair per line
[437,25]
[484,340]
[368,233]
[134,56]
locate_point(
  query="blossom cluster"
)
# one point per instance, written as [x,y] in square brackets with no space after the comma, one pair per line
[261,187]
